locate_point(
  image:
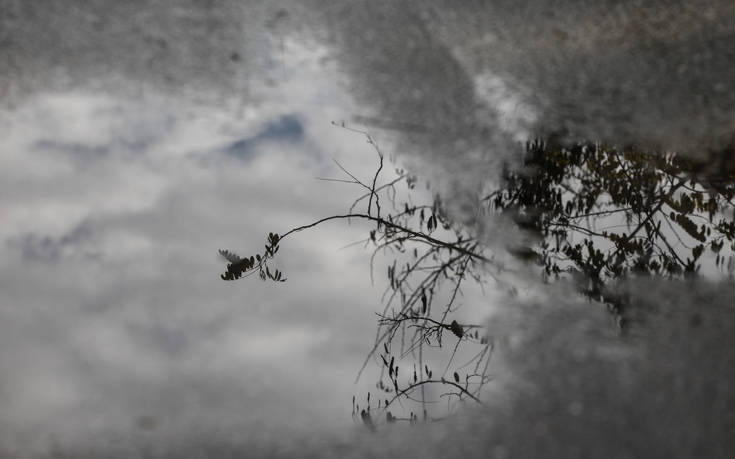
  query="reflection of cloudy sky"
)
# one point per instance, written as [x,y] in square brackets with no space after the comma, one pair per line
[140,137]
[113,211]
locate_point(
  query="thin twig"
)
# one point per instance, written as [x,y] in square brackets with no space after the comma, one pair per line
[387,223]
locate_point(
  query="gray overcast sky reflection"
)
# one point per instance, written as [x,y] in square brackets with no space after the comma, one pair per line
[139,137]
[113,211]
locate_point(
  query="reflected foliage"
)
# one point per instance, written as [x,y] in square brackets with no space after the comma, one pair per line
[597,213]
[239,267]
[602,213]
[432,259]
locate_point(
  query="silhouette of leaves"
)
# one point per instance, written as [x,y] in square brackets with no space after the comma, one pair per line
[230,256]
[243,267]
[597,212]
[578,198]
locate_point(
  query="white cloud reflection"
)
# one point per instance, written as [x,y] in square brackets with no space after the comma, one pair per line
[113,211]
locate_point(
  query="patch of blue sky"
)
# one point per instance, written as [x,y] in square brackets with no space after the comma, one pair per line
[285,129]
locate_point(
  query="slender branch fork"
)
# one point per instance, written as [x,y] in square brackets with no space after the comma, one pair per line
[416,234]
[450,259]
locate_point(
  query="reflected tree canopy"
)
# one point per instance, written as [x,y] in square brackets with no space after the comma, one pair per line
[602,213]
[597,213]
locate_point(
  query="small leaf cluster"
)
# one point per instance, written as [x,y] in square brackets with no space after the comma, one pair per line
[243,267]
[406,387]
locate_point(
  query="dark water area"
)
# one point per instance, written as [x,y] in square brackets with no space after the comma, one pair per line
[538,260]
